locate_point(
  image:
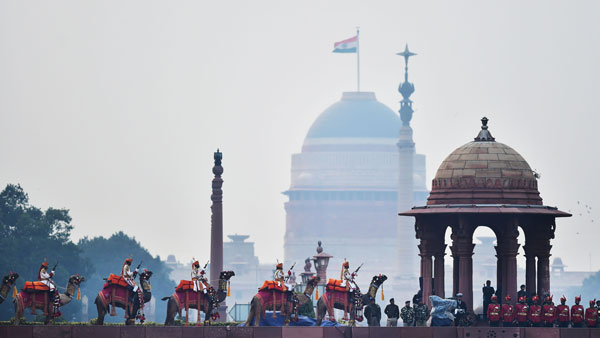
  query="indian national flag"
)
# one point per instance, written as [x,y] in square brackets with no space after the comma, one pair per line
[346,46]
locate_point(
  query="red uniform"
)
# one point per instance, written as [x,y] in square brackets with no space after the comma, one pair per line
[577,313]
[493,313]
[535,314]
[522,312]
[549,314]
[591,316]
[563,315]
[508,314]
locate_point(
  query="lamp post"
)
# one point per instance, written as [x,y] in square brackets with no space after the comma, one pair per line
[321,260]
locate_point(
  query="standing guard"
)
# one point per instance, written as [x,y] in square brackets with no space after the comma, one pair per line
[549,312]
[46,278]
[493,312]
[522,309]
[535,312]
[508,312]
[577,313]
[591,315]
[563,313]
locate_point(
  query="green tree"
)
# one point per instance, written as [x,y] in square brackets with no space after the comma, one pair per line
[108,255]
[27,236]
[590,289]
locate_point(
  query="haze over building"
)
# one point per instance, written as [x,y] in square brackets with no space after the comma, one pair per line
[348,183]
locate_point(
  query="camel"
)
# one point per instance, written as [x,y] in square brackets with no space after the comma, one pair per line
[276,300]
[351,303]
[41,300]
[118,296]
[7,282]
[189,299]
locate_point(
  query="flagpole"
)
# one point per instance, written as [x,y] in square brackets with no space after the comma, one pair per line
[357,60]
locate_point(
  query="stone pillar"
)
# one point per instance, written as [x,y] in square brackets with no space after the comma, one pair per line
[438,270]
[530,271]
[508,249]
[407,245]
[216,230]
[426,271]
[455,263]
[462,248]
[543,273]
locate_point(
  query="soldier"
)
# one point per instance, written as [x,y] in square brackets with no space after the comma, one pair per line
[280,277]
[488,291]
[522,292]
[493,312]
[46,278]
[407,314]
[591,315]
[421,313]
[129,277]
[549,312]
[563,313]
[522,309]
[535,312]
[508,312]
[199,278]
[347,277]
[577,313]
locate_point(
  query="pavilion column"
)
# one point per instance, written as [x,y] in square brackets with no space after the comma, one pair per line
[426,270]
[462,250]
[530,271]
[508,249]
[438,270]
[455,263]
[543,272]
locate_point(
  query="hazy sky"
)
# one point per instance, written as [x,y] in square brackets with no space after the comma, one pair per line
[113,109]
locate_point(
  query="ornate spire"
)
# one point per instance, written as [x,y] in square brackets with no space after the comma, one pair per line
[484,134]
[406,89]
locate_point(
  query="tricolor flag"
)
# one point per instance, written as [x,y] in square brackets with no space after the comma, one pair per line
[346,46]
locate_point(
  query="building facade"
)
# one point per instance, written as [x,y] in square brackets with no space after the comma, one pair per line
[344,188]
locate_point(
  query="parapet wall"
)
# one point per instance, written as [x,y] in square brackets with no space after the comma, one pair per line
[64,331]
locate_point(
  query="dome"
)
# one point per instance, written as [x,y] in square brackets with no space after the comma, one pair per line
[484,172]
[356,115]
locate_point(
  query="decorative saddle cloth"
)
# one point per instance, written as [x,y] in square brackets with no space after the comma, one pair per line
[335,285]
[272,285]
[185,285]
[35,287]
[117,280]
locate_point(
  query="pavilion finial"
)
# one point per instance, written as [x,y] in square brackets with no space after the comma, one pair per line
[484,134]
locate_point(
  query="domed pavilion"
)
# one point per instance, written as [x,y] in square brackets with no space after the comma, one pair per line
[485,183]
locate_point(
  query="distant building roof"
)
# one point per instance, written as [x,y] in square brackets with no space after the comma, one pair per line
[356,115]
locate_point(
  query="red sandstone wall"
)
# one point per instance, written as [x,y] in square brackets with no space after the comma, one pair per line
[287,332]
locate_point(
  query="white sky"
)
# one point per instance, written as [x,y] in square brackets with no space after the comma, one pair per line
[113,109]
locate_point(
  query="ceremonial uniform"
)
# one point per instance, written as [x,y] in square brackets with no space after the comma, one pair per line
[577,313]
[508,312]
[591,315]
[199,278]
[347,277]
[522,309]
[279,277]
[128,275]
[562,313]
[535,312]
[549,312]
[46,278]
[493,312]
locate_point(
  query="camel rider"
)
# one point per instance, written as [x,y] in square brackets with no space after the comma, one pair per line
[199,278]
[347,277]
[129,277]
[280,277]
[46,278]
